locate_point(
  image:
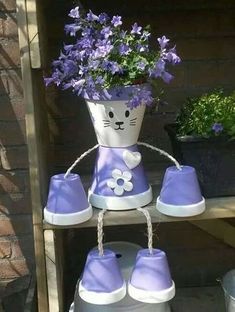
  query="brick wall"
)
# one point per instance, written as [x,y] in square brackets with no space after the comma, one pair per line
[16,242]
[204,32]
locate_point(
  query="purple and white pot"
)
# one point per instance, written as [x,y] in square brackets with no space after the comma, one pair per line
[126,255]
[180,195]
[119,181]
[102,281]
[151,280]
[67,202]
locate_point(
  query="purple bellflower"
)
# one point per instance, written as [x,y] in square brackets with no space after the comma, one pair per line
[136,29]
[74,13]
[116,21]
[217,127]
[101,55]
[124,49]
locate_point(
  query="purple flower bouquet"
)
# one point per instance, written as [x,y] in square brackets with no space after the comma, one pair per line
[104,56]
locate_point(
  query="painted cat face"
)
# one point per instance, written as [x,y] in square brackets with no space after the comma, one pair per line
[119,123]
[115,124]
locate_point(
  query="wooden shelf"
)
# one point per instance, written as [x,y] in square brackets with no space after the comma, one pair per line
[216,208]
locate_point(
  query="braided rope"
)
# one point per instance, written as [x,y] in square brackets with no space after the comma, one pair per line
[162,153]
[100,233]
[79,159]
[150,229]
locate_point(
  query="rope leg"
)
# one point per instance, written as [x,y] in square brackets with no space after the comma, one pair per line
[79,159]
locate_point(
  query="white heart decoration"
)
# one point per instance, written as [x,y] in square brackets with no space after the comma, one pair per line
[131,159]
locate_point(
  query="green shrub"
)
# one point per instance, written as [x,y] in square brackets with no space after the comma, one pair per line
[211,114]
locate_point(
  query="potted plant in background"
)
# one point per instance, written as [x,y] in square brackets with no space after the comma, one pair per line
[111,68]
[203,137]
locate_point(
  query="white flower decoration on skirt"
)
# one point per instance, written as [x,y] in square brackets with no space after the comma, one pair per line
[120,182]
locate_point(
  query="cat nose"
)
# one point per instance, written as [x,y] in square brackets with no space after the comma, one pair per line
[119,123]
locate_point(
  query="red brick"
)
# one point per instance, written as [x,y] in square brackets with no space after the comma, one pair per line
[8,26]
[13,132]
[14,78]
[3,84]
[15,203]
[5,249]
[13,268]
[23,248]
[14,182]
[11,83]
[8,5]
[11,109]
[9,54]
[17,225]
[1,27]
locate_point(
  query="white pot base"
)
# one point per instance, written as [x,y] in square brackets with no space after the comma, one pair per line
[102,298]
[68,218]
[120,203]
[181,211]
[151,296]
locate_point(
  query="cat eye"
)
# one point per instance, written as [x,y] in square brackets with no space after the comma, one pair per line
[127,113]
[111,115]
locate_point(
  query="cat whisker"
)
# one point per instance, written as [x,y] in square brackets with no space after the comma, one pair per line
[106,120]
[133,119]
[105,126]
[132,124]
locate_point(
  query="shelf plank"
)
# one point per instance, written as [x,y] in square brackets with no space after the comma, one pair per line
[216,208]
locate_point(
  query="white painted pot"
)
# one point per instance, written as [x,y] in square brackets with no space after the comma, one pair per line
[115,124]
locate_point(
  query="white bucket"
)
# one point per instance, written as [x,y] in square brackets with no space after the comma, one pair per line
[228,284]
[127,252]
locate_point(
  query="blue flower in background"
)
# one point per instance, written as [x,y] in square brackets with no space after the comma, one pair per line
[141,65]
[217,127]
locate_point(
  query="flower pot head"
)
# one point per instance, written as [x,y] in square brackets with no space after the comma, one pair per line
[180,195]
[102,282]
[67,202]
[151,279]
[115,124]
